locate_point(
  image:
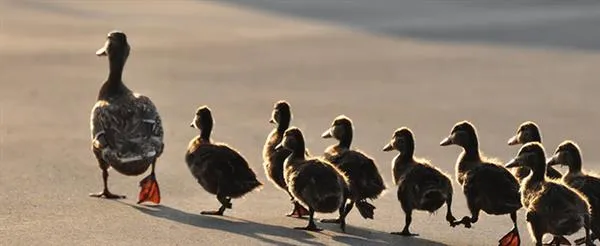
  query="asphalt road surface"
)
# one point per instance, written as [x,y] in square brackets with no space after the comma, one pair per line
[385,64]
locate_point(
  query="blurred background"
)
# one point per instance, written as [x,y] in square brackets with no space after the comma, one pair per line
[423,64]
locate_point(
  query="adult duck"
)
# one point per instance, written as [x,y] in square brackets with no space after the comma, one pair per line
[127,132]
[314,182]
[529,132]
[274,159]
[552,207]
[218,168]
[365,180]
[421,186]
[487,185]
[568,154]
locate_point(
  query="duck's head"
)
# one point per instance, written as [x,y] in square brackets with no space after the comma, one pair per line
[203,118]
[566,154]
[462,134]
[341,127]
[527,132]
[531,155]
[115,46]
[402,140]
[281,113]
[292,139]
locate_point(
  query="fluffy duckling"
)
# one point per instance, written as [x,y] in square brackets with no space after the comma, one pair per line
[314,182]
[273,159]
[551,206]
[530,132]
[487,185]
[569,154]
[219,169]
[365,180]
[127,132]
[421,186]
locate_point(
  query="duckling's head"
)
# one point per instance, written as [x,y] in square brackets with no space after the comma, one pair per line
[566,154]
[463,134]
[527,132]
[203,118]
[293,139]
[341,128]
[281,113]
[115,46]
[531,155]
[402,140]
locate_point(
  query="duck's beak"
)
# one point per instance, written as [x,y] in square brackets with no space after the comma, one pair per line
[192,125]
[447,141]
[272,121]
[512,163]
[102,51]
[327,134]
[388,147]
[514,140]
[553,160]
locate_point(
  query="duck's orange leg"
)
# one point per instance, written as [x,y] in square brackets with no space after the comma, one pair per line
[149,191]
[512,238]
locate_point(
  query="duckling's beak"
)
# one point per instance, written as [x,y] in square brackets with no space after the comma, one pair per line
[514,140]
[388,147]
[512,163]
[102,51]
[553,160]
[272,121]
[327,134]
[192,125]
[447,141]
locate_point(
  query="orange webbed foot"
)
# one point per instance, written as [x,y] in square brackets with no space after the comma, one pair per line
[149,191]
[511,239]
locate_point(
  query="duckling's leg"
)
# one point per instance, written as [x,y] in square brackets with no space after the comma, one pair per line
[512,238]
[311,222]
[149,188]
[449,217]
[407,220]
[466,220]
[105,193]
[225,203]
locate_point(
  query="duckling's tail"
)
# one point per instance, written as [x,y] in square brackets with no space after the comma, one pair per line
[365,209]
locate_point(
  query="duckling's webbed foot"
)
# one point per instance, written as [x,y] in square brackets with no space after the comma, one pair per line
[311,223]
[466,221]
[558,240]
[225,204]
[298,211]
[511,239]
[107,194]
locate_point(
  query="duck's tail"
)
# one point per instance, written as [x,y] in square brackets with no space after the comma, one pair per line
[365,209]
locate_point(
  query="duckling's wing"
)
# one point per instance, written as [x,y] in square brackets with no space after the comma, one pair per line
[494,188]
[366,181]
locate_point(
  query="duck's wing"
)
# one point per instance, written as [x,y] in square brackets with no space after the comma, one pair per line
[363,173]
[152,119]
[496,189]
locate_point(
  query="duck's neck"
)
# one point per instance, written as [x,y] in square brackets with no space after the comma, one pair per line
[205,132]
[407,154]
[299,151]
[283,125]
[538,173]
[574,162]
[471,152]
[346,140]
[114,87]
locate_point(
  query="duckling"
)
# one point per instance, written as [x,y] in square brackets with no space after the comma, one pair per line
[487,185]
[552,207]
[314,182]
[421,186]
[365,180]
[219,169]
[273,159]
[528,132]
[569,154]
[126,128]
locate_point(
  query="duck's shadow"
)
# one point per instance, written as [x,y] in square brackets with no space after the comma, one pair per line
[363,236]
[233,225]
